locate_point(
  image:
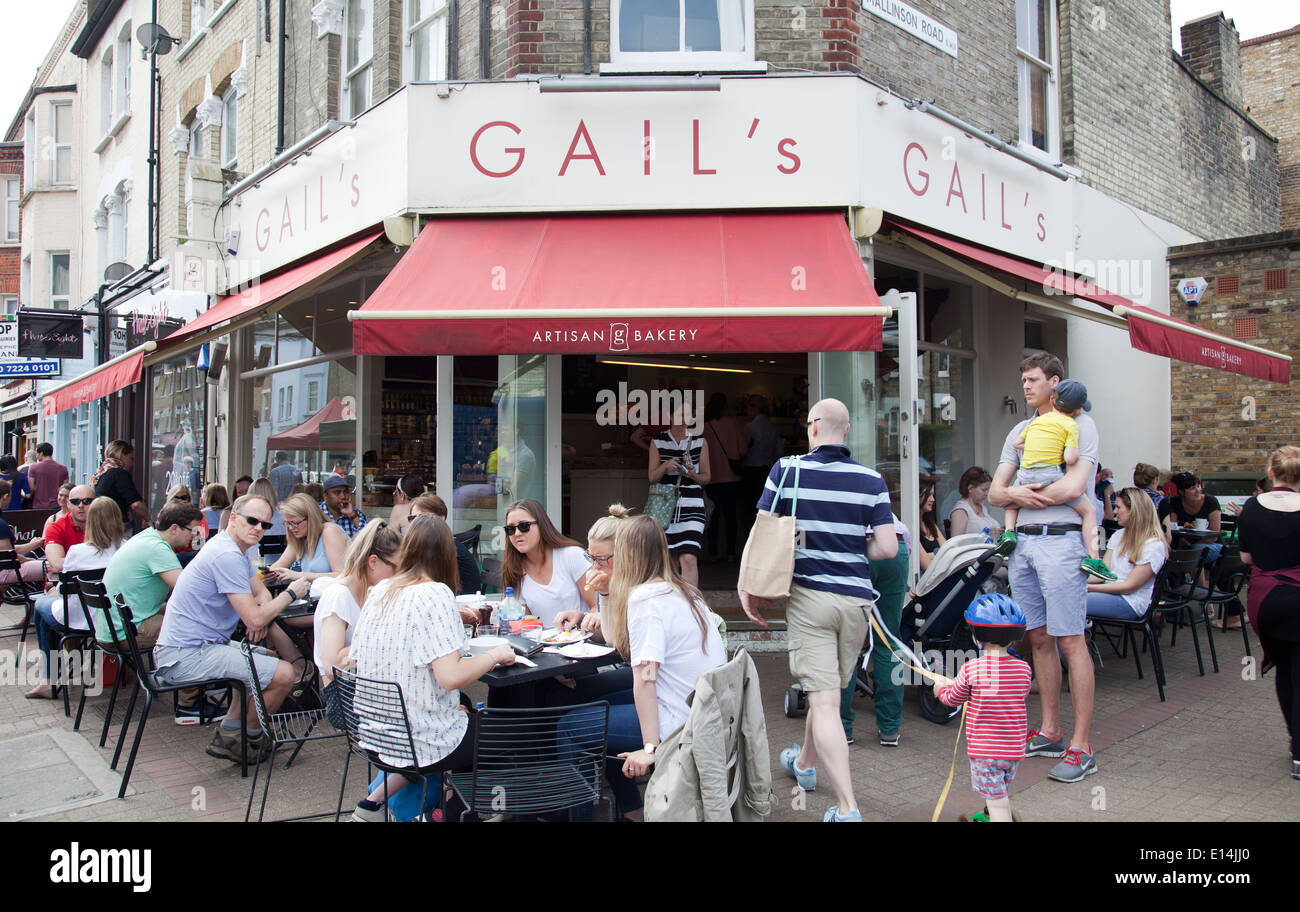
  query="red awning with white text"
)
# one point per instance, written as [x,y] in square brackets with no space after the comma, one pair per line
[1149,330]
[742,282]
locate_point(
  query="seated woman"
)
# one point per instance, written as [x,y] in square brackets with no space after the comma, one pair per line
[371,558]
[970,514]
[1135,554]
[660,624]
[471,581]
[64,490]
[263,488]
[410,632]
[409,489]
[314,548]
[104,535]
[932,537]
[543,567]
[215,501]
[30,569]
[1192,508]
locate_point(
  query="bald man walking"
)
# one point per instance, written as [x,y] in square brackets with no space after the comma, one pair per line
[844,519]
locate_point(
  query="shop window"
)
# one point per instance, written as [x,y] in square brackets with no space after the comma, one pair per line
[178,404]
[1036,74]
[358,45]
[426,40]
[681,35]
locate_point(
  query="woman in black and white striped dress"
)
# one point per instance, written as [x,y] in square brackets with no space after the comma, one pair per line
[675,453]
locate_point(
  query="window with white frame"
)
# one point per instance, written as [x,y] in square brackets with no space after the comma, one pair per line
[196,138]
[124,70]
[426,40]
[198,17]
[1036,74]
[117,224]
[682,34]
[279,409]
[266,406]
[313,396]
[61,138]
[358,50]
[229,129]
[10,305]
[11,216]
[106,86]
[60,280]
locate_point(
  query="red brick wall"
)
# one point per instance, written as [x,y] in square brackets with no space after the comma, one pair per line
[11,165]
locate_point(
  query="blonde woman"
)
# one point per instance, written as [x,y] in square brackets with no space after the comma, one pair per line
[215,501]
[179,493]
[660,624]
[600,554]
[263,488]
[104,535]
[314,548]
[1135,554]
[371,558]
[410,632]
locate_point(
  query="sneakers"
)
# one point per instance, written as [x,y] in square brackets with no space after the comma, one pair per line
[189,715]
[1039,745]
[368,812]
[1006,543]
[1094,567]
[1074,767]
[833,815]
[889,740]
[1295,769]
[225,746]
[807,779]
[848,737]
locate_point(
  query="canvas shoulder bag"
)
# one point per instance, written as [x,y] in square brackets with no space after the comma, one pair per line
[661,502]
[767,565]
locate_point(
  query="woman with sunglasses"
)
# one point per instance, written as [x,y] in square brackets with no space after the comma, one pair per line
[314,548]
[544,568]
[179,494]
[371,557]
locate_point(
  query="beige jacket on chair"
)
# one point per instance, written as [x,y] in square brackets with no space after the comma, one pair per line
[716,767]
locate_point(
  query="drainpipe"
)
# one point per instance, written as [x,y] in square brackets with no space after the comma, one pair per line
[586,37]
[485,39]
[279,98]
[453,39]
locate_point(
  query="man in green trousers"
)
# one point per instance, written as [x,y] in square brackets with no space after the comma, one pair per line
[889,577]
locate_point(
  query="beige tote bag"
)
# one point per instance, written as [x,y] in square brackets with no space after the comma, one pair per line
[767,564]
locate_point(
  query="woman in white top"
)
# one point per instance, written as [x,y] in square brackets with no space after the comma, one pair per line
[104,535]
[970,514]
[1135,553]
[410,632]
[543,567]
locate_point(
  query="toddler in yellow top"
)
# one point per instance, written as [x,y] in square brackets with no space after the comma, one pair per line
[1051,444]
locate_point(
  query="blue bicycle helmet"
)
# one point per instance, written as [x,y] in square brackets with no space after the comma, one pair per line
[995,618]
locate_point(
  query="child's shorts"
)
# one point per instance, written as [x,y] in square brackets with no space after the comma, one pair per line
[990,777]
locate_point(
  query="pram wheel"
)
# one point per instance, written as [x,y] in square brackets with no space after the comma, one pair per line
[796,702]
[935,709]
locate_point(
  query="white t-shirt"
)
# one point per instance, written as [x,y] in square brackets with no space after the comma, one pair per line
[398,641]
[562,592]
[1153,553]
[337,600]
[663,629]
[84,556]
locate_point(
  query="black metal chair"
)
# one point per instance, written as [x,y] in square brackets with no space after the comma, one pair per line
[19,592]
[94,597]
[1227,581]
[1189,595]
[83,638]
[295,728]
[470,539]
[272,546]
[147,679]
[527,763]
[491,574]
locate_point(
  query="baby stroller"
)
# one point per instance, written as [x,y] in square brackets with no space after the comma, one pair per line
[933,617]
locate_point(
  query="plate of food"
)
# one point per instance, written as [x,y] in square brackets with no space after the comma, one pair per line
[557,637]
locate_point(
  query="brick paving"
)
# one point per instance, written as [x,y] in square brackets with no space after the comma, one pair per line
[1216,751]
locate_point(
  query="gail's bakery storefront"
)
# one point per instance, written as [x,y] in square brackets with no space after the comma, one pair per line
[492,284]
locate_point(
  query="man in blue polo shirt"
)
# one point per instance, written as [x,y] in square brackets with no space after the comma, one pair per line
[843,516]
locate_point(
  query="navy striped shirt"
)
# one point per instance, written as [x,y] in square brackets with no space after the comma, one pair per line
[839,503]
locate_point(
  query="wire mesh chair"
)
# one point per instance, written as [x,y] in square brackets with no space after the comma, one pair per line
[295,728]
[374,712]
[19,592]
[535,761]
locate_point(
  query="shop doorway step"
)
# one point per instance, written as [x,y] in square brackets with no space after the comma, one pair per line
[741,631]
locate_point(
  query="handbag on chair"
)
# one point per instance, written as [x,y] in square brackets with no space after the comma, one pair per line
[661,502]
[767,564]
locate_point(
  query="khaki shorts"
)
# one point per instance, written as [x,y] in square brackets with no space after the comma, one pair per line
[825,632]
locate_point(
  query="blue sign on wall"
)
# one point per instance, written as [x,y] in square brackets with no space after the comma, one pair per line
[31,367]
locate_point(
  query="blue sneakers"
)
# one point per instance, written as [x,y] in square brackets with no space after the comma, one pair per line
[833,815]
[807,779]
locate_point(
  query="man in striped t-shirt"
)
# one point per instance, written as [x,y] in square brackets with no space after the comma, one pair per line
[843,517]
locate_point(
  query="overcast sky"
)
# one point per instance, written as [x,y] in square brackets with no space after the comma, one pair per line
[31,27]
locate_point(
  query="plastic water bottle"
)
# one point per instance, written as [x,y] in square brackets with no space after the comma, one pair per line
[509,610]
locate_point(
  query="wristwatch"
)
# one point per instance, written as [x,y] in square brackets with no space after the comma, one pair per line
[650,749]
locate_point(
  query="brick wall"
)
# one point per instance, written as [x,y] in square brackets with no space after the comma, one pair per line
[1212,49]
[1209,432]
[1271,90]
[311,80]
[11,166]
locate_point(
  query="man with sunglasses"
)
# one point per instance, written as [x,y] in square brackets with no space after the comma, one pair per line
[217,590]
[68,531]
[337,506]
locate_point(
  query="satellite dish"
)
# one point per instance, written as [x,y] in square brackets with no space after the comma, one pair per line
[153,37]
[118,271]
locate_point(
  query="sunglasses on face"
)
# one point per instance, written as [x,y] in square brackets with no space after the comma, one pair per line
[525,527]
[254,522]
[81,501]
[181,497]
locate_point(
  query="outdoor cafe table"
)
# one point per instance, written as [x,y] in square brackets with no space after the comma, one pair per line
[516,686]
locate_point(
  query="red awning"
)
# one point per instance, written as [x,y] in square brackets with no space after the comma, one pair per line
[1149,330]
[306,436]
[625,283]
[107,378]
[264,292]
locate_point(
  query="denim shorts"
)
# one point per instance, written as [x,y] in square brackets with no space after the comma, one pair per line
[212,661]
[991,777]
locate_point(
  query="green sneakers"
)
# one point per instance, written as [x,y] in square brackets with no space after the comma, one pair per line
[1097,568]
